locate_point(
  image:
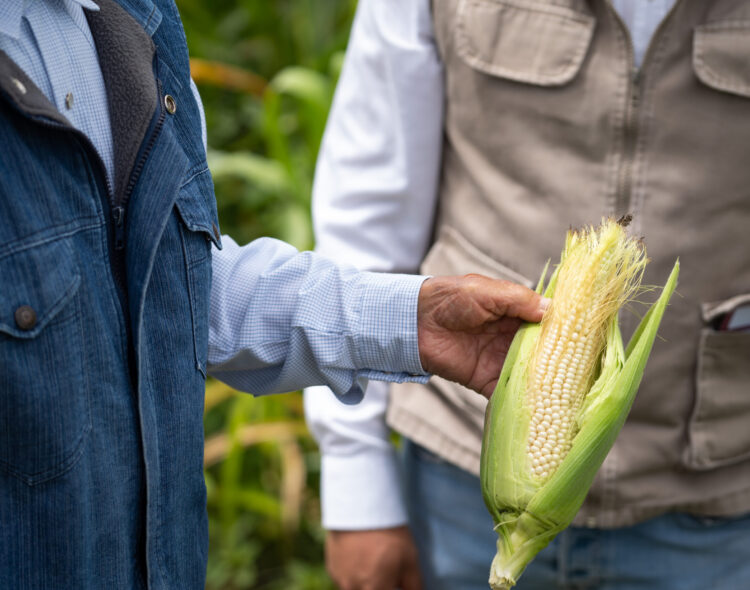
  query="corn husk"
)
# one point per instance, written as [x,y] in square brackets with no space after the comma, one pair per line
[532,495]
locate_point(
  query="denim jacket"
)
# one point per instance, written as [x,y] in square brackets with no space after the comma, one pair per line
[101,434]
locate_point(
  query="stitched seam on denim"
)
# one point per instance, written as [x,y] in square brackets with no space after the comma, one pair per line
[194,172]
[191,293]
[190,262]
[147,24]
[32,242]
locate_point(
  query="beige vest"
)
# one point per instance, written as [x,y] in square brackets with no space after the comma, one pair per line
[547,126]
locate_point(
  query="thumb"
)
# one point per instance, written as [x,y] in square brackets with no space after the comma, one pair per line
[516,301]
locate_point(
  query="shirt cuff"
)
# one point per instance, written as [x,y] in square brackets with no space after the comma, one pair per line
[361,491]
[388,335]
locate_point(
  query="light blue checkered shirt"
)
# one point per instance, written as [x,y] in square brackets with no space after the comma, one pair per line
[52,43]
[279,320]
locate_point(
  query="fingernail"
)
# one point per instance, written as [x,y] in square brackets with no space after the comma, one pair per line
[545,303]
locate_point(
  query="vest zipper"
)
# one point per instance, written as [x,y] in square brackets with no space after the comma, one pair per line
[630,140]
[623,197]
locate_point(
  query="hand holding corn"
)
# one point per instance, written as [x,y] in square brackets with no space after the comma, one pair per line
[565,390]
[466,325]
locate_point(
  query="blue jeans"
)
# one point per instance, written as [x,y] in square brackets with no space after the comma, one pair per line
[453,531]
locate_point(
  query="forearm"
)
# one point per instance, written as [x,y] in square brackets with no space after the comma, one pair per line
[281,320]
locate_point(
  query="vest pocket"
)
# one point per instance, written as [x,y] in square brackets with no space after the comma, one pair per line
[199,228]
[718,430]
[535,43]
[720,56]
[44,407]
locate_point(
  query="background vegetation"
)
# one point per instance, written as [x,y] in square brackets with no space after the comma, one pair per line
[266,71]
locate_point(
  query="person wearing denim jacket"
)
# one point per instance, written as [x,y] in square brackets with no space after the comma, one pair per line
[115,302]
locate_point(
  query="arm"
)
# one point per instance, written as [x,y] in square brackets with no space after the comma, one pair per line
[280,320]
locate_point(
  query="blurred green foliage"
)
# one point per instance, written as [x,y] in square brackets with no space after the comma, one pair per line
[266,72]
[263,145]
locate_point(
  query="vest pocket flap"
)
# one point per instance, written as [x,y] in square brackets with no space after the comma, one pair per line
[38,282]
[197,206]
[529,42]
[452,254]
[721,56]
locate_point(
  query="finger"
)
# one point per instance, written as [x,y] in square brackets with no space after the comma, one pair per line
[514,300]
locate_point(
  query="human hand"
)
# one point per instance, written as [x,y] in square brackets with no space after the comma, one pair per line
[383,559]
[466,325]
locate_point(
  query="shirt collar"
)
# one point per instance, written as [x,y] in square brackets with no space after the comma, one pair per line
[10,23]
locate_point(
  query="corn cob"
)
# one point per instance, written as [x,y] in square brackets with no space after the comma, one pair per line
[565,390]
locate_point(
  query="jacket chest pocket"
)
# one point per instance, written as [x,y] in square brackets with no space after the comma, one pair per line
[44,407]
[199,229]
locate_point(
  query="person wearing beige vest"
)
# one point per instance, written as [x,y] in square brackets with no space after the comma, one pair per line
[468,136]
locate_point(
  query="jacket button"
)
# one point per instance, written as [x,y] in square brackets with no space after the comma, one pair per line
[170,104]
[25,317]
[216,231]
[19,85]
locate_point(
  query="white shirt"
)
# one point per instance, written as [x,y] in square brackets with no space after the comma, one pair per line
[374,198]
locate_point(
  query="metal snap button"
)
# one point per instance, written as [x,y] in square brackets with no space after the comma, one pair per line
[69,100]
[25,317]
[170,104]
[20,85]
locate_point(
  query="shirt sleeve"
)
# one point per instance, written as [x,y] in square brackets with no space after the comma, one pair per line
[360,472]
[280,320]
[373,206]
[201,112]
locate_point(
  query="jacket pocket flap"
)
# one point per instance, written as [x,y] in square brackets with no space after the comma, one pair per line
[720,56]
[527,42]
[197,206]
[37,283]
